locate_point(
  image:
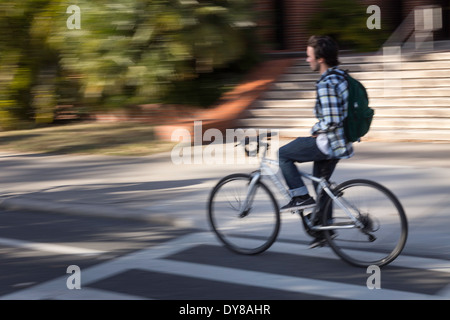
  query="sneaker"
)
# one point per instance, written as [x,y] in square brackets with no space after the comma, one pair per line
[300,202]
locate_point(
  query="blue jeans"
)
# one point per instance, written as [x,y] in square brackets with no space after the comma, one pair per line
[303,149]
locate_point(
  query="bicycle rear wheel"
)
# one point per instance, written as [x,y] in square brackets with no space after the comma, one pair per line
[383,229]
[252,232]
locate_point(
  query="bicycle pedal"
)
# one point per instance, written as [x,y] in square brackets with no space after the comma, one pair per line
[319,243]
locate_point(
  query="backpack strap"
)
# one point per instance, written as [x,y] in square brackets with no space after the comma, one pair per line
[345,75]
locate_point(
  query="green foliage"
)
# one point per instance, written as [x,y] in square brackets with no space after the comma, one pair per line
[23,56]
[125,52]
[346,22]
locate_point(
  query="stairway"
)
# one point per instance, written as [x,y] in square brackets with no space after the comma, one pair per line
[411,98]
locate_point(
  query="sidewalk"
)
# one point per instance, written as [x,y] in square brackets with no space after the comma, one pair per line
[154,189]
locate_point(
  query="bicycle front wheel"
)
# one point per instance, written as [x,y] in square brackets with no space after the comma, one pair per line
[380,232]
[252,231]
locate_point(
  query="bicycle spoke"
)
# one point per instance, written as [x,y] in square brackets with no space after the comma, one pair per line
[381,226]
[233,224]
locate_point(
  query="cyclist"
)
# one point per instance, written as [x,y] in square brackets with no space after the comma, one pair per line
[327,143]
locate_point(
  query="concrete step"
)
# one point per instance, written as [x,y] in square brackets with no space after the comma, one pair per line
[280,113]
[277,122]
[419,135]
[379,112]
[288,94]
[443,112]
[404,63]
[373,93]
[368,83]
[410,102]
[378,122]
[355,68]
[380,58]
[293,85]
[376,75]
[388,102]
[416,123]
[406,92]
[292,103]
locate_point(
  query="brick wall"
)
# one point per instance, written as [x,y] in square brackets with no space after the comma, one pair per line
[266,23]
[298,14]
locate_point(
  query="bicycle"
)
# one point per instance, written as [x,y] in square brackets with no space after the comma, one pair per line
[367,225]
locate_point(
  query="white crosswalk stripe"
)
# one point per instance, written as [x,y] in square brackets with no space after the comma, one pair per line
[277,282]
[154,259]
[49,247]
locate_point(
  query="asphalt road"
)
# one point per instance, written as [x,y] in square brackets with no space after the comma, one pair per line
[130,260]
[64,210]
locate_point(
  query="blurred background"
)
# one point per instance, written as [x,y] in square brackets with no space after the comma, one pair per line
[106,54]
[112,54]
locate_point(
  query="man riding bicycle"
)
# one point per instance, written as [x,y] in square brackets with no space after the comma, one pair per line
[327,143]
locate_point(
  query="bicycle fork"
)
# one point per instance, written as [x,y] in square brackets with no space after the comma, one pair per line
[246,206]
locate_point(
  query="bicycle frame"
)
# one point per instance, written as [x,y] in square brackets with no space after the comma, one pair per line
[322,184]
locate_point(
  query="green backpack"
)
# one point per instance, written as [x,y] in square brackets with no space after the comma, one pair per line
[360,115]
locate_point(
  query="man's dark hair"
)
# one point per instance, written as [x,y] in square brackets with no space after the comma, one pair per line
[325,47]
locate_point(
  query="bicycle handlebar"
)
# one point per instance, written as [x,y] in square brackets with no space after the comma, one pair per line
[259,142]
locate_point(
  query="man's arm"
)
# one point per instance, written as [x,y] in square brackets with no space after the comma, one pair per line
[331,114]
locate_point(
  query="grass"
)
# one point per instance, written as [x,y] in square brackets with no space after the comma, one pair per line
[123,139]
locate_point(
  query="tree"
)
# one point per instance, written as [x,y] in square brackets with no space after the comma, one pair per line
[27,64]
[123,51]
[136,51]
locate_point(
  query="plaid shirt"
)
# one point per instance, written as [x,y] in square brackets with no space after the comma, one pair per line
[330,110]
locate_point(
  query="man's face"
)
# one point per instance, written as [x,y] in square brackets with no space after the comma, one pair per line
[311,58]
